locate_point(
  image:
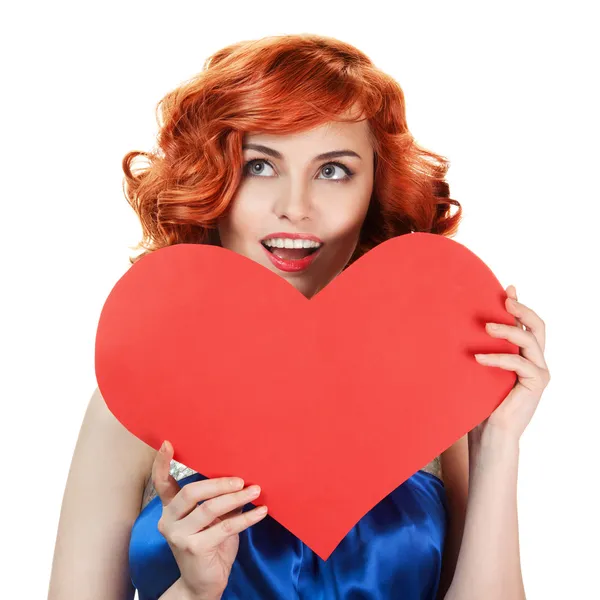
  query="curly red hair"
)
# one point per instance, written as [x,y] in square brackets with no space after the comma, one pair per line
[280,84]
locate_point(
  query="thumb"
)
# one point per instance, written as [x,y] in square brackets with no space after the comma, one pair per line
[165,484]
[511,292]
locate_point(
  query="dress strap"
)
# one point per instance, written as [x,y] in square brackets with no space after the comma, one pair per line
[434,467]
[177,470]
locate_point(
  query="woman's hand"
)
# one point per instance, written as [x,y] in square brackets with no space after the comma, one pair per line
[517,409]
[204,539]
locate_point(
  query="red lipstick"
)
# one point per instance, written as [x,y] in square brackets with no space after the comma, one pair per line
[290,265]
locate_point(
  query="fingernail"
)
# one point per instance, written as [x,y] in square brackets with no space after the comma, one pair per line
[254,491]
[163,448]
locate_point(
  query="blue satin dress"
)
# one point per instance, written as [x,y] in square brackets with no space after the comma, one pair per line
[393,552]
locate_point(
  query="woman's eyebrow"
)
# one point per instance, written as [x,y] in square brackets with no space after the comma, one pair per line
[278,155]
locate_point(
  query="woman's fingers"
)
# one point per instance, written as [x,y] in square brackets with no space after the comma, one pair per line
[165,484]
[222,500]
[197,491]
[220,514]
[217,508]
[233,513]
[219,532]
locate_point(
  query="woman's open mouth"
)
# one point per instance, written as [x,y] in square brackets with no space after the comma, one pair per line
[291,259]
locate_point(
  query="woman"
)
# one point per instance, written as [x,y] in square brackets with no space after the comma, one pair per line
[294,151]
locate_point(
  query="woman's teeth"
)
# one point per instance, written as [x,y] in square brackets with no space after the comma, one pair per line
[289,243]
[289,249]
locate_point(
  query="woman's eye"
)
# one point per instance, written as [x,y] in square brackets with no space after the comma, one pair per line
[251,164]
[331,167]
[328,169]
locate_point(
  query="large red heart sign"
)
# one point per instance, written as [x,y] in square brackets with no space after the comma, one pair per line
[327,403]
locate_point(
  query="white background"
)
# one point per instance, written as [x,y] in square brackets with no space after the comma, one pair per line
[507,92]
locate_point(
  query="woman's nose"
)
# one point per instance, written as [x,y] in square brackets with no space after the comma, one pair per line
[295,204]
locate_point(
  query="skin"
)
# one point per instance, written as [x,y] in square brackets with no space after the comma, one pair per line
[297,194]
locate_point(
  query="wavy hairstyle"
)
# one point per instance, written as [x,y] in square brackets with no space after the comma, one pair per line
[280,84]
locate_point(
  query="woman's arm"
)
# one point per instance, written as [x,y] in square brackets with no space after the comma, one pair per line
[101,501]
[455,475]
[489,563]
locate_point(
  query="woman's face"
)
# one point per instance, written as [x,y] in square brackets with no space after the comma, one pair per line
[286,189]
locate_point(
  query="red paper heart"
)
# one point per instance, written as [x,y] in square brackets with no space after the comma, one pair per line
[329,404]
